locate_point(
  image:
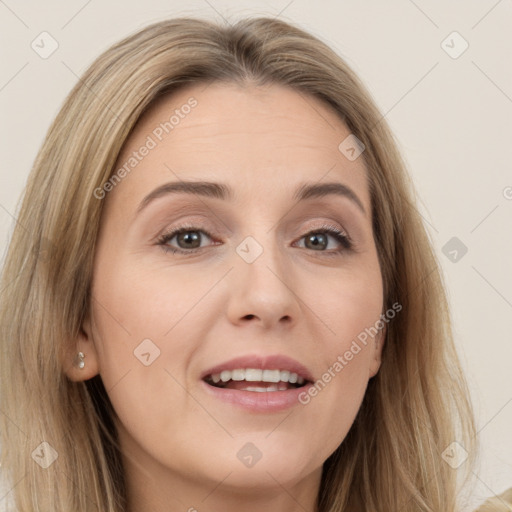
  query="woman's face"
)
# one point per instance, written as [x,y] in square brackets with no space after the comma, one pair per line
[258,287]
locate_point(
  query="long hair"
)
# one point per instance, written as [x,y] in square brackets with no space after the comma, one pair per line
[414,408]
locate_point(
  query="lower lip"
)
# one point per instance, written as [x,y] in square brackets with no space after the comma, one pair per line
[266,401]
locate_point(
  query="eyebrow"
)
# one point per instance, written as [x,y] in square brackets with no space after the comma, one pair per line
[224,192]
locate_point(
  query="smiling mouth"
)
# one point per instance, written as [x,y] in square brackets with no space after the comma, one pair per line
[256,380]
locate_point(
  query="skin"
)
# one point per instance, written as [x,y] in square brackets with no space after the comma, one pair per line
[179,444]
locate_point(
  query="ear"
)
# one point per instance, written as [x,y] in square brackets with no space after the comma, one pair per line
[376,356]
[83,343]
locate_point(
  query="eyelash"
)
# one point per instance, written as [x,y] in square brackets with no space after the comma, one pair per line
[340,236]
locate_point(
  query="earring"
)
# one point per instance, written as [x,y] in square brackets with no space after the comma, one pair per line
[79,360]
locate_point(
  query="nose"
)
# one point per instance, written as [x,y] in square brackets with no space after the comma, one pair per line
[262,292]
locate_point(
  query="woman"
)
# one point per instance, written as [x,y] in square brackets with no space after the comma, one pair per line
[219,292]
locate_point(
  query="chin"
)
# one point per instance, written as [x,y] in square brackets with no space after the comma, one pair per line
[274,473]
[265,461]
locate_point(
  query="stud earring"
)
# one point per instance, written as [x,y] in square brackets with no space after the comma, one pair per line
[79,360]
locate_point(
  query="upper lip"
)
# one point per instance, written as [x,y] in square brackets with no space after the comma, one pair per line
[270,362]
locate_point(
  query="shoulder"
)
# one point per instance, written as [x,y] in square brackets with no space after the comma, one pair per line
[500,503]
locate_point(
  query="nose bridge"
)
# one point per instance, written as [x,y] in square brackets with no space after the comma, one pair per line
[260,247]
[262,258]
[262,280]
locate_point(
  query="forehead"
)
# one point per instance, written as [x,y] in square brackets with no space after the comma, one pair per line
[258,139]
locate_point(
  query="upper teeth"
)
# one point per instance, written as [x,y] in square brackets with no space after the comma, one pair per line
[255,375]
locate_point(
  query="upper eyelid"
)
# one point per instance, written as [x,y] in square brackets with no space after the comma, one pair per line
[190,209]
[195,225]
[173,232]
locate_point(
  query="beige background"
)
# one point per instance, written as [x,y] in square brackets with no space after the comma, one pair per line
[452,118]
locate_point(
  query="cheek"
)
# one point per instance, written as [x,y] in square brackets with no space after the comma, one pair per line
[142,335]
[349,304]
[137,302]
[149,331]
[350,308]
[141,366]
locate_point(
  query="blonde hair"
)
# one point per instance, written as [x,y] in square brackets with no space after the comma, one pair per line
[499,503]
[414,408]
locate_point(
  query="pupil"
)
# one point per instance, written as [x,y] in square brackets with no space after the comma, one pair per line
[188,237]
[316,240]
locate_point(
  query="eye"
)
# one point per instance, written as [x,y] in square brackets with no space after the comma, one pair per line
[188,239]
[318,240]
